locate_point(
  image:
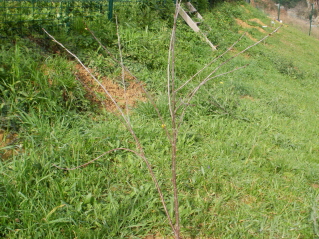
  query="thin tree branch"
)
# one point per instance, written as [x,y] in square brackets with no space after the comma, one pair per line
[171,95]
[135,78]
[129,128]
[191,94]
[122,67]
[171,61]
[210,63]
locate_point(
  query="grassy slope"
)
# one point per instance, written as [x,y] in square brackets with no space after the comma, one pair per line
[248,173]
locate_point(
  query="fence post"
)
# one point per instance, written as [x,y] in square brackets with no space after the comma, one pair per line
[310,18]
[278,11]
[110,9]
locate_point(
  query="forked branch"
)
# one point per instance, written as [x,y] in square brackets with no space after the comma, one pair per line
[148,95]
[178,104]
[140,153]
[185,101]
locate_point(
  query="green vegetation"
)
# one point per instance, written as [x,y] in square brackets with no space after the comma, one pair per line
[21,15]
[289,3]
[247,150]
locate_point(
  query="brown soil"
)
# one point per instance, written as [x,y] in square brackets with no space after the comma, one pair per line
[315,186]
[248,199]
[248,35]
[248,97]
[242,23]
[259,22]
[246,25]
[129,96]
[7,139]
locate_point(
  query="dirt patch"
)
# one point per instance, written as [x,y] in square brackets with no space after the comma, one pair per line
[242,23]
[130,94]
[248,199]
[247,97]
[7,149]
[246,25]
[257,21]
[248,35]
[315,185]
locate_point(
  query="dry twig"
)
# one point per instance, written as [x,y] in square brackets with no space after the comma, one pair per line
[140,153]
[177,108]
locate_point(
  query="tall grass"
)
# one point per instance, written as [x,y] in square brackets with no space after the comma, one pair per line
[177,104]
[248,145]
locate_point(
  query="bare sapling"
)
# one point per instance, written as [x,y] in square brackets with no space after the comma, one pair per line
[178,103]
[125,120]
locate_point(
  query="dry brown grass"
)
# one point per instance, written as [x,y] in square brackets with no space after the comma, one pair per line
[134,92]
[292,17]
[300,24]
[6,139]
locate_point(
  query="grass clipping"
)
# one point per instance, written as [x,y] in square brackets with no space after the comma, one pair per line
[131,95]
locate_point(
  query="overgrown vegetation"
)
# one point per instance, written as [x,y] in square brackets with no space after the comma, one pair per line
[248,150]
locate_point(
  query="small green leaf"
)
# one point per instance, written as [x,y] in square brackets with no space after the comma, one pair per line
[88,198]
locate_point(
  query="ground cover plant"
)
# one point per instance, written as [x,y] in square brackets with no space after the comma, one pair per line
[249,146]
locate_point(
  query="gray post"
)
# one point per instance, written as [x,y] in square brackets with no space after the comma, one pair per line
[278,11]
[310,18]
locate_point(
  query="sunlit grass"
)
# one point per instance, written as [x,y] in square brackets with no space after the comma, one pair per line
[247,152]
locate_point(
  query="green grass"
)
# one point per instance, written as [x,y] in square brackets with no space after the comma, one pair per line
[247,151]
